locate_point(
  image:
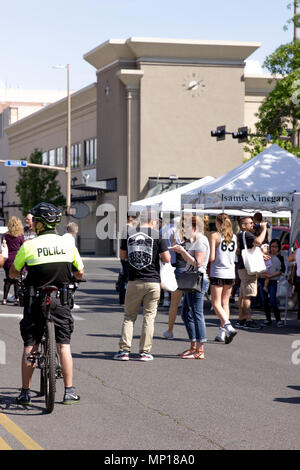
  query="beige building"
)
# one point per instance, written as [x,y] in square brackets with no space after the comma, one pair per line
[15,104]
[148,116]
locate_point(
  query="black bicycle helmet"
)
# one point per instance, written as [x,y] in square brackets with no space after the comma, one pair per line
[47,213]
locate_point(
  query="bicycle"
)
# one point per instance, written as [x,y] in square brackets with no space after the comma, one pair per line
[46,357]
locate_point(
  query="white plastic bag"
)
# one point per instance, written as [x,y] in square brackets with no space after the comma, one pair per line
[283,288]
[4,249]
[167,277]
[253,259]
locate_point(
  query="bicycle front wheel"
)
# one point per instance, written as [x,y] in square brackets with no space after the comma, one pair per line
[50,367]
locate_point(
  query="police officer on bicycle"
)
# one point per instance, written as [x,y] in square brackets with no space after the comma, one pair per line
[49,260]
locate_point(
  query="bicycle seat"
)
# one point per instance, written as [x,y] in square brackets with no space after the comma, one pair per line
[49,289]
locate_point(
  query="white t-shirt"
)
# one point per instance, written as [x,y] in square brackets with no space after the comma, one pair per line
[202,245]
[70,238]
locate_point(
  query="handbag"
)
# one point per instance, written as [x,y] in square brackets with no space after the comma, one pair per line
[168,280]
[4,248]
[190,281]
[253,259]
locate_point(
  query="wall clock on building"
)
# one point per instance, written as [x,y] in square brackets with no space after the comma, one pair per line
[193,84]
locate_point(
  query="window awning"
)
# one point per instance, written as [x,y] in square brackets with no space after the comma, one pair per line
[101,185]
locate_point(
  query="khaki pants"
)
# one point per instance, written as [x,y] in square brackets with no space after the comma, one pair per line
[136,293]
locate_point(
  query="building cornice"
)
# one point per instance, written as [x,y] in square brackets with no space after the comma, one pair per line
[178,49]
[80,100]
[260,84]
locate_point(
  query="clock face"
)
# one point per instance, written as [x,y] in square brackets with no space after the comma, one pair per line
[193,84]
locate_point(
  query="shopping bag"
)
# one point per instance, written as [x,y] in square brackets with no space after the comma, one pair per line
[167,277]
[4,248]
[253,259]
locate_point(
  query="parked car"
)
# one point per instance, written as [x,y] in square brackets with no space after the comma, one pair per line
[282,233]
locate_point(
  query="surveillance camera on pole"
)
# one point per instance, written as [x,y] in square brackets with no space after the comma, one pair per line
[241,134]
[219,133]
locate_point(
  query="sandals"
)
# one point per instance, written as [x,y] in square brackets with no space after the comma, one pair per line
[199,355]
[193,354]
[187,352]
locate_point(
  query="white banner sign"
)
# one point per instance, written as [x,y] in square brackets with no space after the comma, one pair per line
[252,200]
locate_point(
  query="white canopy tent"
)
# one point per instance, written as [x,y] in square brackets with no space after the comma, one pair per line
[267,182]
[169,201]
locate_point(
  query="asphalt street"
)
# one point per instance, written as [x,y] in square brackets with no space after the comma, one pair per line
[245,395]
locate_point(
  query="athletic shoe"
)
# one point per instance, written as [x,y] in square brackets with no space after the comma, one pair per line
[71,397]
[266,323]
[145,357]
[252,325]
[168,335]
[279,324]
[220,338]
[229,336]
[240,324]
[122,356]
[24,398]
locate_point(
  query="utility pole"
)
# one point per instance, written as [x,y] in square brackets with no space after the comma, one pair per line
[296,5]
[68,159]
[68,166]
[295,138]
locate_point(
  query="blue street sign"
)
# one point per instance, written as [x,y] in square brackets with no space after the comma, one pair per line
[18,163]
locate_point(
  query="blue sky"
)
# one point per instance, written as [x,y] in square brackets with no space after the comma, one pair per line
[37,34]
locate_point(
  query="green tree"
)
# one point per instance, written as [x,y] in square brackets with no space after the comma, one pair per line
[295,19]
[280,111]
[256,145]
[36,185]
[279,114]
[284,60]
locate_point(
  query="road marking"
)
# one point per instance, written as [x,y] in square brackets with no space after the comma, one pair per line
[11,315]
[4,445]
[18,433]
[20,316]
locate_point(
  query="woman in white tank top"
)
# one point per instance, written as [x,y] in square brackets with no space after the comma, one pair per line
[223,244]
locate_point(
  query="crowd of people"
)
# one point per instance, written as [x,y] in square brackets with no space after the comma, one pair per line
[13,239]
[217,256]
[190,246]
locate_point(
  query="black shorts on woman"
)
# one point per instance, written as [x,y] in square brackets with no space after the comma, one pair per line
[217,281]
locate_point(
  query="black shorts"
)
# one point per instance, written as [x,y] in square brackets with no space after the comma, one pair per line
[217,281]
[32,324]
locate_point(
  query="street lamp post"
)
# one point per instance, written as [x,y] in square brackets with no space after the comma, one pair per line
[68,162]
[3,187]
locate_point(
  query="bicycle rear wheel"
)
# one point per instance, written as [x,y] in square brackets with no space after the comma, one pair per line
[49,375]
